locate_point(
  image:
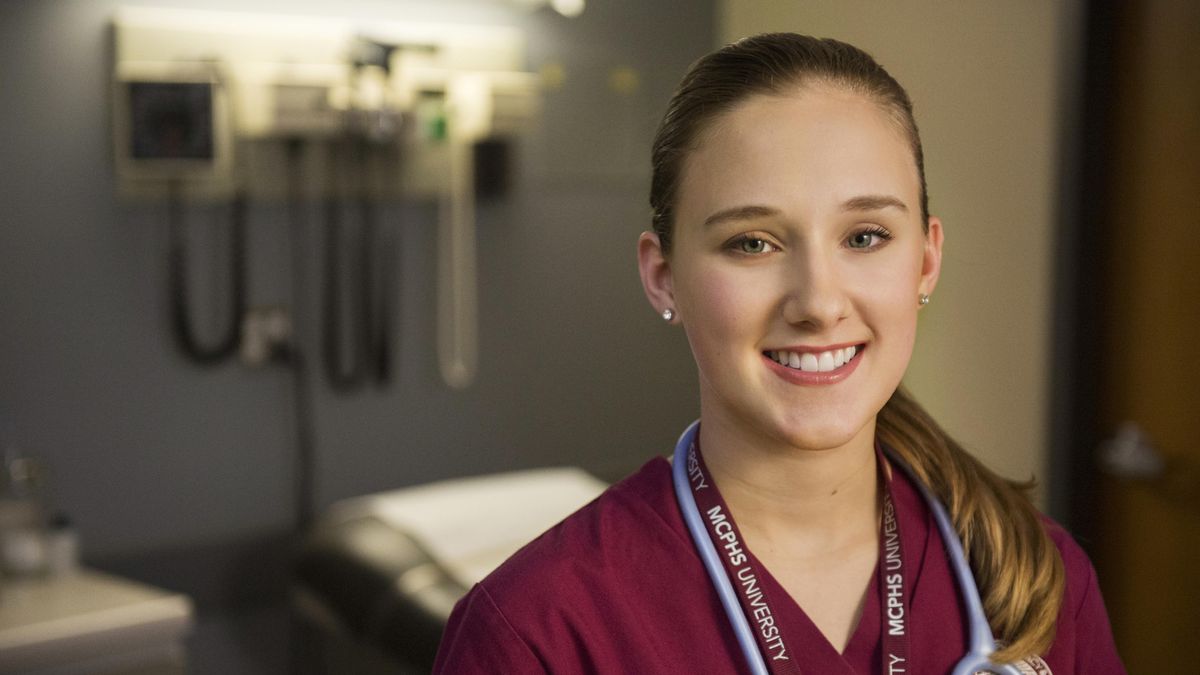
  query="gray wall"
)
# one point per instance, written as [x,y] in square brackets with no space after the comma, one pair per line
[151,454]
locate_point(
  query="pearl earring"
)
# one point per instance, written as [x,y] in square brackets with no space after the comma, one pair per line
[923,299]
[668,314]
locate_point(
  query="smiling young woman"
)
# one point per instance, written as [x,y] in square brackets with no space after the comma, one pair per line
[792,242]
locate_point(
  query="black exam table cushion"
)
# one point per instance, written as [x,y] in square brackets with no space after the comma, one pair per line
[382,586]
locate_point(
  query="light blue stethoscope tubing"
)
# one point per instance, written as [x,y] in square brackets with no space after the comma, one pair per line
[982,642]
[708,553]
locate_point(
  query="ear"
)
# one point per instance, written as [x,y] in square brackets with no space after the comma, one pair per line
[931,265]
[656,273]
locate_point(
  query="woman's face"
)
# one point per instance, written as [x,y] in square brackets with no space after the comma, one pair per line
[797,262]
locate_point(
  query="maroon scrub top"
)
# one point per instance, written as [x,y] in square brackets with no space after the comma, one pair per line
[618,587]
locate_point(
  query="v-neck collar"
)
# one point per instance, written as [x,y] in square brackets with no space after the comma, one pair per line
[863,652]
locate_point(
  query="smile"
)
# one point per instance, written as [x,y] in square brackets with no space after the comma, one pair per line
[813,362]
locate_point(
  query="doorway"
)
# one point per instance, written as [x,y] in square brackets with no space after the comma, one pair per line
[1131,354]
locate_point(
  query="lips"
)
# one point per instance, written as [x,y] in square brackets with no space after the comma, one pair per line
[809,361]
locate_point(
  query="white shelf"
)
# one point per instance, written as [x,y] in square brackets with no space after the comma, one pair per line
[89,622]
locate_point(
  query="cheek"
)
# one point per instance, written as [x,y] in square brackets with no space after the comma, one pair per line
[893,273]
[716,307]
[898,304]
[888,299]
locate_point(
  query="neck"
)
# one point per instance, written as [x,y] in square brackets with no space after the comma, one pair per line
[791,498]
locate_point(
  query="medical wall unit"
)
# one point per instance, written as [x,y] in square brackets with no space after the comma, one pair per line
[224,108]
[221,112]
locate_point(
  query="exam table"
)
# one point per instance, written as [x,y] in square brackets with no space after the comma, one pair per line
[378,576]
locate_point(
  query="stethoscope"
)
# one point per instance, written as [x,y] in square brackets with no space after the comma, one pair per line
[981,641]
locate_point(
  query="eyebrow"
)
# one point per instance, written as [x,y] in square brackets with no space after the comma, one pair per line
[873,203]
[752,211]
[740,213]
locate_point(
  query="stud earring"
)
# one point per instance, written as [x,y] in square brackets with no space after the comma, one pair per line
[668,314]
[923,299]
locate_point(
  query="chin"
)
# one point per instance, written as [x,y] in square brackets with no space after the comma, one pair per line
[810,434]
[819,439]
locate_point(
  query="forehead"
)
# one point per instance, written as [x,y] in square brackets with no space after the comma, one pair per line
[799,152]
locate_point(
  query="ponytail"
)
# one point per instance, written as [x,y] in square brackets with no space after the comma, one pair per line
[1017,567]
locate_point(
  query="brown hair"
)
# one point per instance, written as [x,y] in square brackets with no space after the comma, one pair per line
[764,64]
[1017,567]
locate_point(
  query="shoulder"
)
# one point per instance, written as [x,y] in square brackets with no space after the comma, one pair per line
[1082,604]
[479,639]
[1080,574]
[588,575]
[596,542]
[1083,636]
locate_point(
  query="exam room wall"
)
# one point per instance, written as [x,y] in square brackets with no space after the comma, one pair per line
[151,453]
[993,85]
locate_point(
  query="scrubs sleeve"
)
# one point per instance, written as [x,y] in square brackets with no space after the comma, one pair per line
[1096,652]
[479,639]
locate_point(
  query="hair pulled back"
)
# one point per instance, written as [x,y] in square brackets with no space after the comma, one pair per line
[1017,567]
[770,64]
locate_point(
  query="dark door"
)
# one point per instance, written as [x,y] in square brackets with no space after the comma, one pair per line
[1146,541]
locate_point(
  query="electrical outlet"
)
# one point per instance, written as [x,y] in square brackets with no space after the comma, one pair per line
[266,335]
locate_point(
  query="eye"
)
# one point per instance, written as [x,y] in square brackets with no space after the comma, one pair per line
[751,245]
[870,238]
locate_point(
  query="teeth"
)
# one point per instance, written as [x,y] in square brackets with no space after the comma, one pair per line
[825,362]
[808,362]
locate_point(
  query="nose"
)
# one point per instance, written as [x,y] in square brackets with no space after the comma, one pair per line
[815,297]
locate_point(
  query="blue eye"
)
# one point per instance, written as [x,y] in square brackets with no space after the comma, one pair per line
[869,238]
[752,245]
